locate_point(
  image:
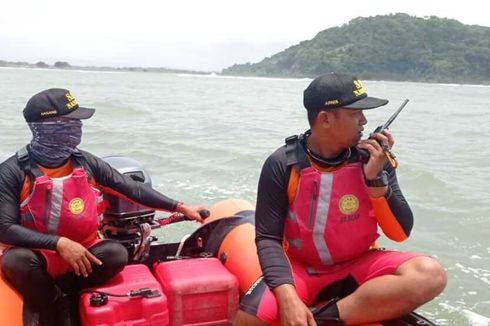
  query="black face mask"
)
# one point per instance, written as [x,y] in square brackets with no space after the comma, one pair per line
[53,142]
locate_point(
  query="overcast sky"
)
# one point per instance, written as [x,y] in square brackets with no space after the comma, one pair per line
[191,34]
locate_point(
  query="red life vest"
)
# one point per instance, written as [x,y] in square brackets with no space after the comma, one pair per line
[331,219]
[67,206]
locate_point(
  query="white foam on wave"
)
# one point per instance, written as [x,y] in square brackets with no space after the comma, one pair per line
[459,85]
[214,75]
[476,319]
[478,273]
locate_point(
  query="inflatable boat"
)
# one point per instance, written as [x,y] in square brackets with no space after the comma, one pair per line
[197,281]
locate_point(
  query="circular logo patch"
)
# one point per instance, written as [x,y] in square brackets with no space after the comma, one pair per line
[349,204]
[76,206]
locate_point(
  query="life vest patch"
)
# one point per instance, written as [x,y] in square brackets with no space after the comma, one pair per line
[348,204]
[76,206]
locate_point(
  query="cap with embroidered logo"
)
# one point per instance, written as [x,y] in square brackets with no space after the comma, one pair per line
[55,102]
[335,90]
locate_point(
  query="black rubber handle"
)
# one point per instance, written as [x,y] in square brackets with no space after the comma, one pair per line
[204,213]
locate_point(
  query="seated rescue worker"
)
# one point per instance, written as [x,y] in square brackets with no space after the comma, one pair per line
[51,204]
[320,199]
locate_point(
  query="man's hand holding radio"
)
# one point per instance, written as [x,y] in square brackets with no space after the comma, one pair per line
[376,145]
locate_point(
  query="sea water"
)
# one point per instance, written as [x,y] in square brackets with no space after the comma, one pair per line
[204,139]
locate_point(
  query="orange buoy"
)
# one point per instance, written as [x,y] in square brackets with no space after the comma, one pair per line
[11,303]
[228,207]
[237,250]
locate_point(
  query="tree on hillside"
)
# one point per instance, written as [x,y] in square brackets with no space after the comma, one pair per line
[390,47]
[61,64]
[41,64]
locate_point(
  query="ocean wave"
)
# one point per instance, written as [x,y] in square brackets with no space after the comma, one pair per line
[244,77]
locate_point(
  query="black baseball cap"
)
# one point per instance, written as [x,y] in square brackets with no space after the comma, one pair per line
[55,102]
[335,90]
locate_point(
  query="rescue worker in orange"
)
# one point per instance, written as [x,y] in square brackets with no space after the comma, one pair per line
[50,207]
[320,200]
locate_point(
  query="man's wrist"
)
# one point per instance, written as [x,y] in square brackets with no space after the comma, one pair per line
[179,207]
[60,242]
[285,292]
[380,181]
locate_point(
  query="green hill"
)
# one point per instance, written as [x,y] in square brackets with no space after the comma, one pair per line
[390,47]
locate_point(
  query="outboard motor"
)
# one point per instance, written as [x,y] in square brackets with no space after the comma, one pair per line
[127,222]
